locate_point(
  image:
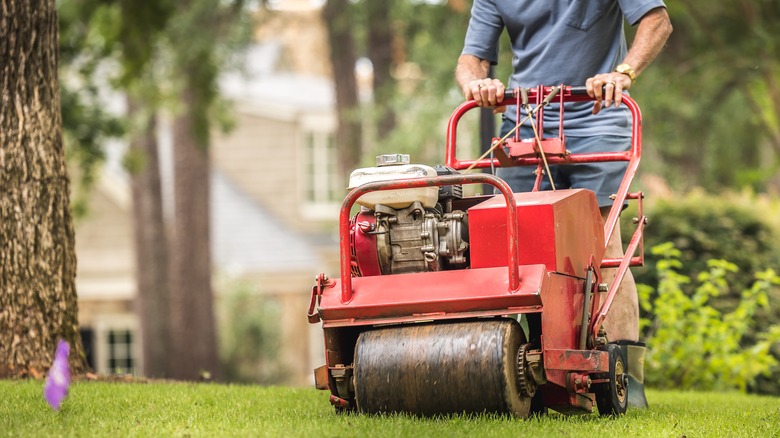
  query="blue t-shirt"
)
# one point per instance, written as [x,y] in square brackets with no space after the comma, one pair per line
[559,42]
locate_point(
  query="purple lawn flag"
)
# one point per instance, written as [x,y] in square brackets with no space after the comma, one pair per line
[57,381]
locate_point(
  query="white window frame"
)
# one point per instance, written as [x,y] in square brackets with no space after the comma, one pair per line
[102,326]
[320,129]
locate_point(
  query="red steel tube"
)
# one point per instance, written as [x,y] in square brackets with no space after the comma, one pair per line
[633,157]
[621,272]
[444,180]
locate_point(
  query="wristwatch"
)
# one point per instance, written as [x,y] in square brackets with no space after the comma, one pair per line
[626,70]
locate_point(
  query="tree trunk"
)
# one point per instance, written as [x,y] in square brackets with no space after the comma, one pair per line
[342,56]
[193,330]
[151,255]
[380,50]
[38,302]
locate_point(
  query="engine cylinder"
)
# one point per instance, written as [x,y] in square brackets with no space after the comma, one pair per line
[407,240]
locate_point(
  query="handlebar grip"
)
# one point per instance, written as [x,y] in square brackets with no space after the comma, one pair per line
[579,90]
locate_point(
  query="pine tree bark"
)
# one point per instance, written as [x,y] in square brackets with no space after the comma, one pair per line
[349,133]
[151,254]
[193,330]
[380,50]
[38,302]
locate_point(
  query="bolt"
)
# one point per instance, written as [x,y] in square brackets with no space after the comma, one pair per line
[603,287]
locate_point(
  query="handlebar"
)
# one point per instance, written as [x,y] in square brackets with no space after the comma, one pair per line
[579,90]
[566,94]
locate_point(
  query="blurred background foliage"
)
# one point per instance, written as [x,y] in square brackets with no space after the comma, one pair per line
[695,229]
[250,335]
[694,345]
[712,99]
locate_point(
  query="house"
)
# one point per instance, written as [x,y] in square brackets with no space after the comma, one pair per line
[275,200]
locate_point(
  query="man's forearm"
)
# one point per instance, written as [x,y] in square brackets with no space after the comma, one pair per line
[470,68]
[471,74]
[651,35]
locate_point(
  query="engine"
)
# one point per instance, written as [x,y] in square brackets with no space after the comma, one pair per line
[421,232]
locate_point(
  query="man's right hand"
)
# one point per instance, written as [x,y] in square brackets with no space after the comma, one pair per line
[471,75]
[486,92]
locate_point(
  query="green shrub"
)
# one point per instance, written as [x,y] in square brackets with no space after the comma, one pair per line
[742,228]
[691,344]
[250,337]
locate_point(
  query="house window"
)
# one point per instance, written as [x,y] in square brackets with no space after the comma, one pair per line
[116,344]
[323,189]
[121,359]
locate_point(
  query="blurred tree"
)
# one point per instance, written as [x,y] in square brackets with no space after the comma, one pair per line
[91,33]
[349,133]
[98,35]
[87,39]
[382,45]
[199,36]
[150,237]
[37,257]
[141,30]
[413,47]
[431,37]
[193,330]
[168,54]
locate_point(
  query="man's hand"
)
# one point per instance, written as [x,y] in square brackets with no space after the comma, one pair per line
[651,34]
[471,75]
[606,88]
[486,92]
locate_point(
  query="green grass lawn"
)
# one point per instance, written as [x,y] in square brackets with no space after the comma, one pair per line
[178,409]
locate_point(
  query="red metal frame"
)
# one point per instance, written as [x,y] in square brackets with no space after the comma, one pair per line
[346,304]
[445,180]
[632,156]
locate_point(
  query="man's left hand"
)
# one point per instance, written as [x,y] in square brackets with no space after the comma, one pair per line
[606,88]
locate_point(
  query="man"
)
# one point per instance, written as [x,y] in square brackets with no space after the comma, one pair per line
[573,42]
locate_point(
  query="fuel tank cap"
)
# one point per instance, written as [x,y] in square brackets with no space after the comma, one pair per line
[392,160]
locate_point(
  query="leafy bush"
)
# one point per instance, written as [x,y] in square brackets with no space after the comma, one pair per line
[743,228]
[250,337]
[739,227]
[692,345]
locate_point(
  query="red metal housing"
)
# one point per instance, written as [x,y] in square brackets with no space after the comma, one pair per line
[561,230]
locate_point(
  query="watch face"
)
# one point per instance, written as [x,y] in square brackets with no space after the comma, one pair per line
[626,69]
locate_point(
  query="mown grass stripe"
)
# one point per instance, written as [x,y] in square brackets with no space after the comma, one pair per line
[180,409]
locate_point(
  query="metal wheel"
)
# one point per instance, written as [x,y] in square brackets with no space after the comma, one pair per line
[612,397]
[432,369]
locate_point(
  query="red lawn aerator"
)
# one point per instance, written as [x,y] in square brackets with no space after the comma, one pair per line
[424,318]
